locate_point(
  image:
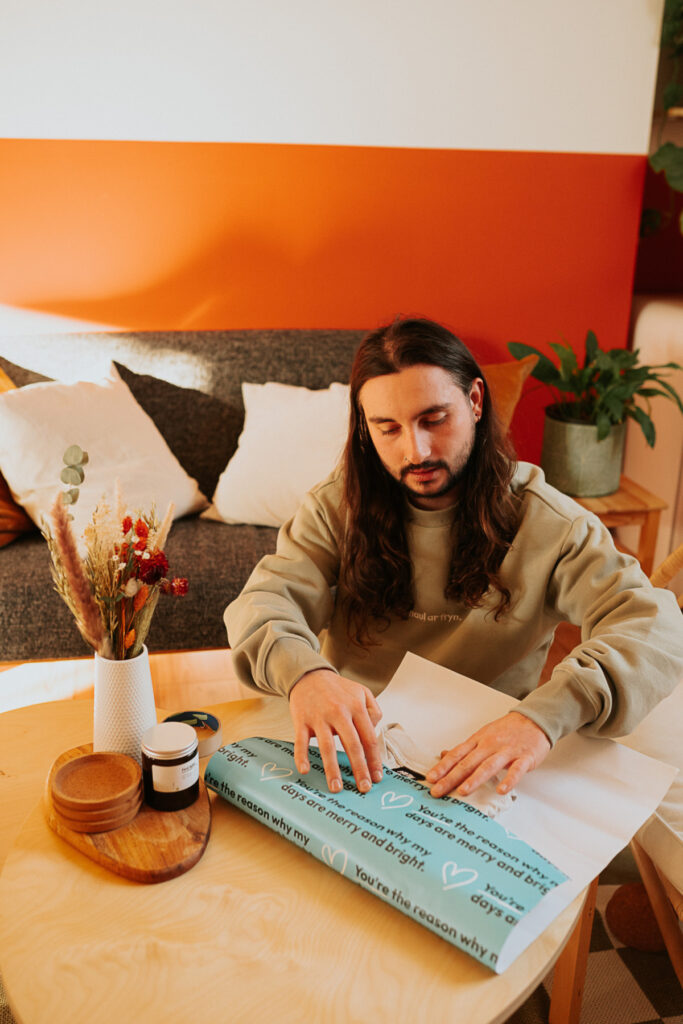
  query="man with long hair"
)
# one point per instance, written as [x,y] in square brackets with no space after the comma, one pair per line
[430,538]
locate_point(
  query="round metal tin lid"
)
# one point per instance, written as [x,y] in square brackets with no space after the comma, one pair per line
[207,727]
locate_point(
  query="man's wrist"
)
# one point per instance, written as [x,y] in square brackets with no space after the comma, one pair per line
[312,671]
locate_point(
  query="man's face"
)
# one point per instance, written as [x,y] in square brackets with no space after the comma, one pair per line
[422,427]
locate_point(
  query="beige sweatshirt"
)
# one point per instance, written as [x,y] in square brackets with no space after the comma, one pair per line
[562,565]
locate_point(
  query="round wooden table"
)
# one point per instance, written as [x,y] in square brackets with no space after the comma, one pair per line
[256,930]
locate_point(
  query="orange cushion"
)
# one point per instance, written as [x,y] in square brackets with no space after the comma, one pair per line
[505,381]
[13,519]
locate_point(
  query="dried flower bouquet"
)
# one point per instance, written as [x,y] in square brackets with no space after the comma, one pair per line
[113,591]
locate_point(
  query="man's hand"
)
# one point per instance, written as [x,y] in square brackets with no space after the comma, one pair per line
[324,704]
[513,742]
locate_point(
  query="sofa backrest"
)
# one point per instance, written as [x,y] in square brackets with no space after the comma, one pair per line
[189,382]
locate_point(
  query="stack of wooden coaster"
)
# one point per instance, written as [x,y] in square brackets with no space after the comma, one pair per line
[97,792]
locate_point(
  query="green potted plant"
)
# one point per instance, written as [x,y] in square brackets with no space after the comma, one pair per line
[585,425]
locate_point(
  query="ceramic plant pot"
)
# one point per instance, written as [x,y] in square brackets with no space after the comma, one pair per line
[575,462]
[124,704]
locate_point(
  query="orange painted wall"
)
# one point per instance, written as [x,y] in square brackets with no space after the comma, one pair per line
[500,245]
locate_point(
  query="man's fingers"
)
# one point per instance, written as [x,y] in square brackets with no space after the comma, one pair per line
[514,773]
[370,746]
[356,755]
[360,742]
[449,758]
[328,752]
[513,742]
[357,735]
[467,774]
[326,705]
[302,738]
[466,782]
[373,708]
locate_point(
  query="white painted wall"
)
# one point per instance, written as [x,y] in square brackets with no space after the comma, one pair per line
[505,74]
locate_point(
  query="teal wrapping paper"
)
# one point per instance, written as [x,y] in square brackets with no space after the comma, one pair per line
[441,862]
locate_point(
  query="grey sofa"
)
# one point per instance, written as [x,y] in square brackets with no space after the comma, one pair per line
[190,385]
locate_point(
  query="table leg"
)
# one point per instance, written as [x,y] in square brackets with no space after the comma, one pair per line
[570,969]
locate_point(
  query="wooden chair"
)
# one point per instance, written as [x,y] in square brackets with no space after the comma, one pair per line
[667,905]
[669,568]
[665,898]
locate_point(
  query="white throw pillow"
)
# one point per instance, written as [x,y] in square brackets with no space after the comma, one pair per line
[40,421]
[292,438]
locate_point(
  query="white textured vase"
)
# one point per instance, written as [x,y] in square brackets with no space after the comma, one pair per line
[124,704]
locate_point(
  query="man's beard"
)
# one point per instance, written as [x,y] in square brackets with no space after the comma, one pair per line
[453,478]
[455,473]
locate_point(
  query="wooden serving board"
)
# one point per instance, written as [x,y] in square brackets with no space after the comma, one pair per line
[153,847]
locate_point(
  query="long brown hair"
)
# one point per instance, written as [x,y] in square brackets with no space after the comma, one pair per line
[375,579]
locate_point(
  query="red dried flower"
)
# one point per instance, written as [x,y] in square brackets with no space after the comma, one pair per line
[140,597]
[140,545]
[127,524]
[153,569]
[141,528]
[179,586]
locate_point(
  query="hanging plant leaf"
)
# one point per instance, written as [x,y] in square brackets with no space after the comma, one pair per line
[672,95]
[669,158]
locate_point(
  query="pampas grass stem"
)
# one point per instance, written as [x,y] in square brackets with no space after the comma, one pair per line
[82,602]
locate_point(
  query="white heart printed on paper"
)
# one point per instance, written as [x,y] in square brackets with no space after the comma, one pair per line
[453,876]
[392,801]
[330,856]
[511,835]
[270,771]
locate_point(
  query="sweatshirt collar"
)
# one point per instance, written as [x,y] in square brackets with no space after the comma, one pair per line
[428,516]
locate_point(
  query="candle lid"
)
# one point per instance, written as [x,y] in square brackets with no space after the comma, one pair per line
[169,740]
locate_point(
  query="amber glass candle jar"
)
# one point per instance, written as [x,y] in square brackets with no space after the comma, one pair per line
[170,766]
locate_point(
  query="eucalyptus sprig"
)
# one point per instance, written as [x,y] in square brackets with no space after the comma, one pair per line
[73,474]
[603,389]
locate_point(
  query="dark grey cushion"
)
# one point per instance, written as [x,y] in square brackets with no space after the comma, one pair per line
[196,427]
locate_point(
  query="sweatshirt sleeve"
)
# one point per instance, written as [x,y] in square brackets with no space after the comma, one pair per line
[631,651]
[273,626]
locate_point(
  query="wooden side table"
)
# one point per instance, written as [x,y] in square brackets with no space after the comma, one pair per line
[631,505]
